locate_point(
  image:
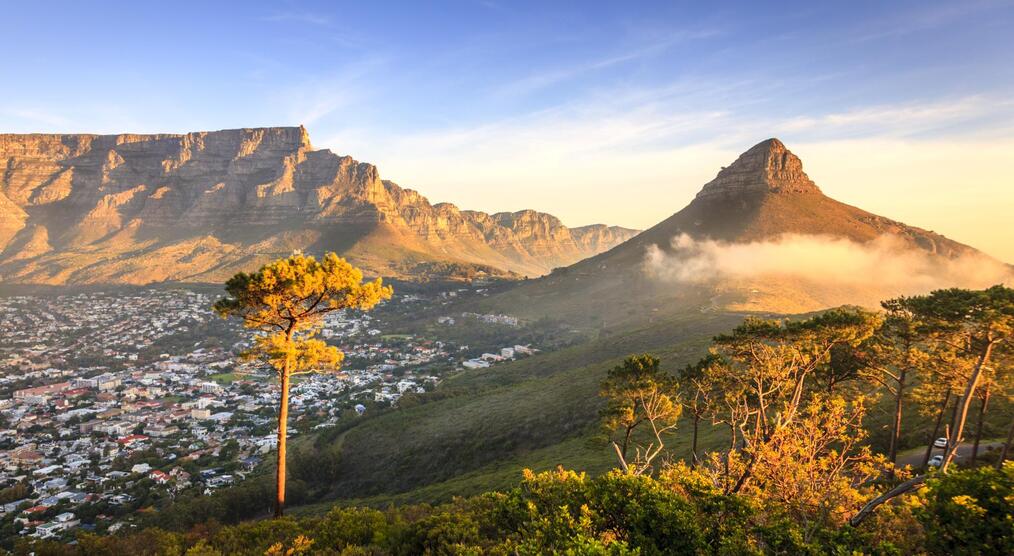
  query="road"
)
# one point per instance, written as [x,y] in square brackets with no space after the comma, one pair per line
[914,456]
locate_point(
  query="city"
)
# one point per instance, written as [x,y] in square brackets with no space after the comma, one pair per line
[112,402]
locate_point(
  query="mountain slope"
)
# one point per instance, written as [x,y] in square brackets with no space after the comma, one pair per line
[541,411]
[719,252]
[195,207]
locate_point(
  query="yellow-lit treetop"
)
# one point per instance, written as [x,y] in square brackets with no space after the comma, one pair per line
[287,300]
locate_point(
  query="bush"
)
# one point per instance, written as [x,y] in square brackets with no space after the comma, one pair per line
[564,512]
[970,512]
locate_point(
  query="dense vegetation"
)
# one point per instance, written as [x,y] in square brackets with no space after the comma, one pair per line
[679,511]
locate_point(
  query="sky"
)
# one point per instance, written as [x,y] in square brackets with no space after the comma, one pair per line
[611,112]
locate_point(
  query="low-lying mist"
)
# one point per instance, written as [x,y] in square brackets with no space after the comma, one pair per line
[885,263]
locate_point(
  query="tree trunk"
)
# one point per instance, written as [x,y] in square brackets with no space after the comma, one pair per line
[283,418]
[1006,446]
[693,444]
[896,426]
[965,403]
[619,456]
[978,426]
[626,443]
[936,428]
[911,484]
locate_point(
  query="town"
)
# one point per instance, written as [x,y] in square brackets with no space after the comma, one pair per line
[113,401]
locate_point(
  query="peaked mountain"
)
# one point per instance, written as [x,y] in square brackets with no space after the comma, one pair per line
[200,206]
[761,237]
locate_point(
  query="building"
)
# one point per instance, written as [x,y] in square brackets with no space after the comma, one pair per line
[26,456]
[107,381]
[200,414]
[41,392]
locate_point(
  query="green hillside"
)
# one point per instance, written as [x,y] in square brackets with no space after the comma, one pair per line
[538,412]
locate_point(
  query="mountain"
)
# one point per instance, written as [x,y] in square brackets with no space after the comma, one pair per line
[486,425]
[200,206]
[760,237]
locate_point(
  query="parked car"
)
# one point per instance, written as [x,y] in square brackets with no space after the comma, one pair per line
[940,442]
[936,461]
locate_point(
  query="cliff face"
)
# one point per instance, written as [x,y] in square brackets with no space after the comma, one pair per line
[767,167]
[145,208]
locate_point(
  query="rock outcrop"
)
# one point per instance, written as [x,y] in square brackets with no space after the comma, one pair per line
[145,208]
[768,167]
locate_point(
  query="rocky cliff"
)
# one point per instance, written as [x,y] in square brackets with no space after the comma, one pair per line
[146,208]
[767,167]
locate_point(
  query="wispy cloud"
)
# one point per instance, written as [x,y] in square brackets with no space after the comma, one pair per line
[307,18]
[35,116]
[660,119]
[923,18]
[311,100]
[545,78]
[905,119]
[886,261]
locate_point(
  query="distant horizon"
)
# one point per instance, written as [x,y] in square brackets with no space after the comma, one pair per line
[593,113]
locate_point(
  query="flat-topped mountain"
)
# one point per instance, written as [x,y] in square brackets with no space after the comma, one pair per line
[200,206]
[763,237]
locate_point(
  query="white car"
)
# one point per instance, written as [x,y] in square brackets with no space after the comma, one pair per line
[940,442]
[936,461]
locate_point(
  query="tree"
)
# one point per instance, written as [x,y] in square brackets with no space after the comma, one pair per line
[968,325]
[763,380]
[813,469]
[972,325]
[285,302]
[969,512]
[640,393]
[1006,446]
[696,395]
[893,358]
[996,383]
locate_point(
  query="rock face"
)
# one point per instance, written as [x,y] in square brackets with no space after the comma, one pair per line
[767,167]
[146,208]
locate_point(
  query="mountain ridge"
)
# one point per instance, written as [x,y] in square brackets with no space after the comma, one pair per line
[86,208]
[760,199]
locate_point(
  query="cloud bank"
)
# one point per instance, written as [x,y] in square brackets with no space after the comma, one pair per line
[887,263]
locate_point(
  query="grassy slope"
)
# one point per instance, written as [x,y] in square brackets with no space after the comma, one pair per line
[538,412]
[535,413]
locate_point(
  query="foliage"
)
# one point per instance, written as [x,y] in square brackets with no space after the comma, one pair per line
[680,511]
[791,397]
[894,358]
[970,511]
[639,393]
[789,442]
[290,297]
[969,328]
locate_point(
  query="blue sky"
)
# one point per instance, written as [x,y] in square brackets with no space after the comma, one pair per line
[610,112]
